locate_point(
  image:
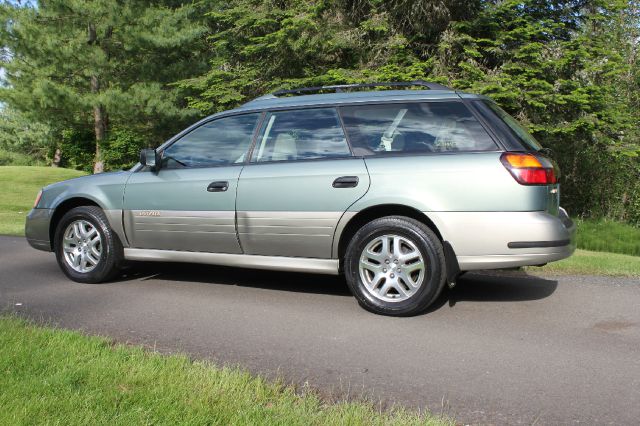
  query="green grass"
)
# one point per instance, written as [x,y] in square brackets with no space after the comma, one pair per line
[55,376]
[609,236]
[585,262]
[19,186]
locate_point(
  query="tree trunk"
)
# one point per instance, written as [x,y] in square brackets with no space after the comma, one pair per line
[99,125]
[57,158]
[99,114]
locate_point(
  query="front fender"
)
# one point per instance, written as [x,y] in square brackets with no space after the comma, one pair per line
[105,189]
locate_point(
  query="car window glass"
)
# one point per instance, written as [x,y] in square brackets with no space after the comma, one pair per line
[414,127]
[219,142]
[514,127]
[301,135]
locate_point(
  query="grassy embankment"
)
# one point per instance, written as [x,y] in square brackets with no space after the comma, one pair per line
[19,186]
[56,376]
[607,248]
[584,262]
[609,236]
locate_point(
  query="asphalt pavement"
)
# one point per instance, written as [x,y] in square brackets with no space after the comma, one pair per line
[497,349]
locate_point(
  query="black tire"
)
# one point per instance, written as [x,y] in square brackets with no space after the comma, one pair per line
[426,242]
[111,256]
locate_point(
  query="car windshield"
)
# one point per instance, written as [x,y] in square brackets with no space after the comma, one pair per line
[516,128]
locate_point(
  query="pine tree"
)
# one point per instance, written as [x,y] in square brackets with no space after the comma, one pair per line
[88,64]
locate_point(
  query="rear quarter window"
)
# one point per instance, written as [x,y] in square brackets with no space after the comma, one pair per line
[508,129]
[414,128]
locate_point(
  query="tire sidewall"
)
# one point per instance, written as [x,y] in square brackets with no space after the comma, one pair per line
[426,244]
[106,263]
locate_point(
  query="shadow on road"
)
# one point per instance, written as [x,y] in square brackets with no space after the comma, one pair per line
[489,286]
[496,286]
[274,280]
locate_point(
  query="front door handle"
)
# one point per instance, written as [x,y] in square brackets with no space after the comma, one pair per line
[346,182]
[218,186]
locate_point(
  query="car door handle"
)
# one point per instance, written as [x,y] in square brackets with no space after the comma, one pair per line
[218,186]
[346,182]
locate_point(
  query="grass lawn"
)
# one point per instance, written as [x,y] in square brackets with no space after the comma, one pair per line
[19,186]
[585,262]
[609,236]
[55,376]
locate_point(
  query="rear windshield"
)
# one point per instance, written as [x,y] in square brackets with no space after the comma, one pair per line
[507,127]
[414,128]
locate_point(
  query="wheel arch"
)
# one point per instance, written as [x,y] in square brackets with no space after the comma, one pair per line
[63,208]
[364,216]
[345,232]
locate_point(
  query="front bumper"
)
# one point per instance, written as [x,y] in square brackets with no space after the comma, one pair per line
[37,228]
[507,239]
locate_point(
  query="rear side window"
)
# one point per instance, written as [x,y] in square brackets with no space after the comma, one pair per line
[414,127]
[301,135]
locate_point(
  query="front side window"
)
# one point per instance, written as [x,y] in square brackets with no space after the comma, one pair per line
[220,142]
[301,135]
[414,127]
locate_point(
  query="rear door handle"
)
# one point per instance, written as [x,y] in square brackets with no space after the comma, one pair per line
[346,182]
[218,186]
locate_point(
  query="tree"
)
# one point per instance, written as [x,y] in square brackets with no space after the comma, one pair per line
[258,46]
[78,64]
[21,135]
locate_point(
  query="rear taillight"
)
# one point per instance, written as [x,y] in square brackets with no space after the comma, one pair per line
[530,169]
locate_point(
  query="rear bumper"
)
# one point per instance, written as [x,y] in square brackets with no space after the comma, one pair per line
[472,263]
[37,228]
[484,240]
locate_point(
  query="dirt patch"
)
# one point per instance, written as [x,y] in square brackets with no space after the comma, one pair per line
[614,325]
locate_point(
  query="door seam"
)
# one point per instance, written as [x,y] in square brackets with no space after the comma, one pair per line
[235,210]
[333,240]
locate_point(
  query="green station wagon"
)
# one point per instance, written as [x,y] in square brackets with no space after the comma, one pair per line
[399,190]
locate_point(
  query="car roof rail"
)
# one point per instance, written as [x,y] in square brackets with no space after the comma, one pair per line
[339,88]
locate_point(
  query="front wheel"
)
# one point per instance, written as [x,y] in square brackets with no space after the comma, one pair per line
[395,265]
[87,249]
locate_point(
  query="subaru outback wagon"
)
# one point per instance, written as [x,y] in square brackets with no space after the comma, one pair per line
[399,190]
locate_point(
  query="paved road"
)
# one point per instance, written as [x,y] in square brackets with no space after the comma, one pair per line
[496,349]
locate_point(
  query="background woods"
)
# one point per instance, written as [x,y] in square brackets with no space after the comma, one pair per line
[86,84]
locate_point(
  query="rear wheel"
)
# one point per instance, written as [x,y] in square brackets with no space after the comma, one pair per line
[395,265]
[86,248]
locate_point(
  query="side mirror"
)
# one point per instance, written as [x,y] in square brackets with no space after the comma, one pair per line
[150,158]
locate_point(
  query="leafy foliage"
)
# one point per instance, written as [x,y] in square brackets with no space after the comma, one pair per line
[123,148]
[23,137]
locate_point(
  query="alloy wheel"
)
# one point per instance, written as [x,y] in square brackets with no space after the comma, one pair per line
[392,268]
[82,246]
